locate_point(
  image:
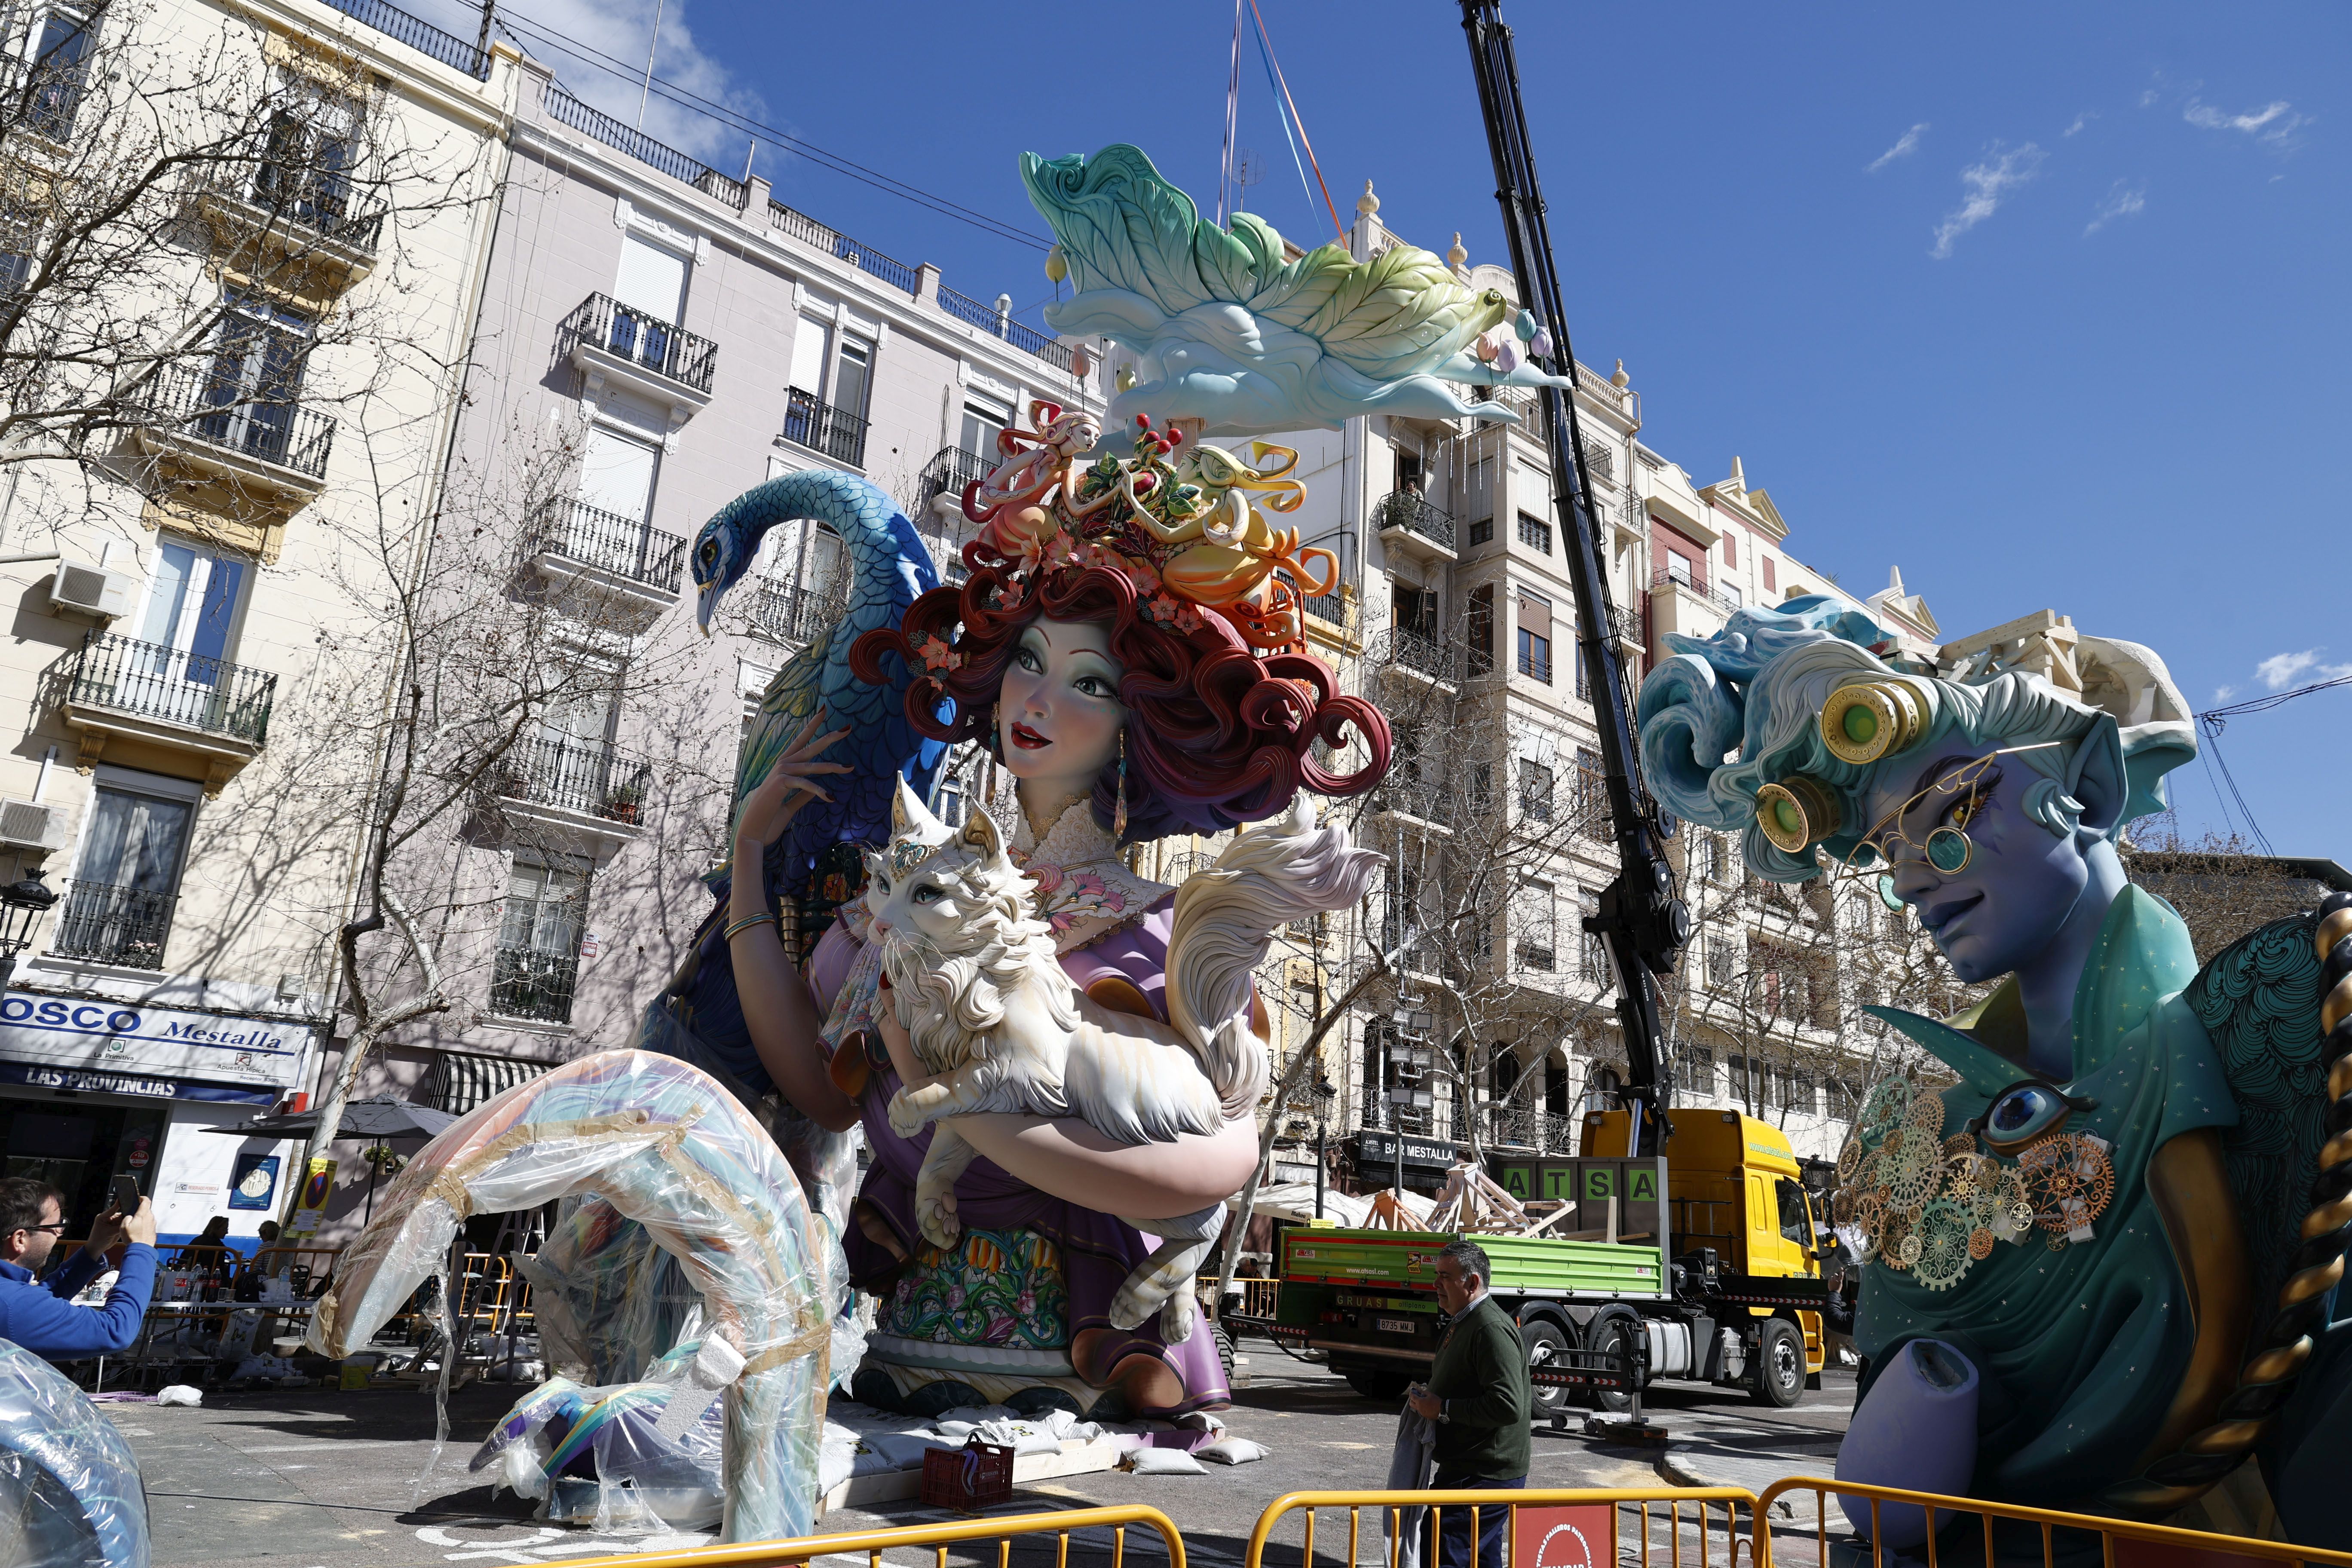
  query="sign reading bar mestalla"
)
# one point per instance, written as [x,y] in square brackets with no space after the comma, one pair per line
[1373,1148]
[126,1038]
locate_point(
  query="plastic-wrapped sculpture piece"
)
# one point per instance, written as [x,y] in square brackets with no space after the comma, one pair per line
[666,1147]
[1128,644]
[70,1495]
[2101,1266]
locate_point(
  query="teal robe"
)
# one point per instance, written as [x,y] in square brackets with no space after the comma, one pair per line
[2080,1351]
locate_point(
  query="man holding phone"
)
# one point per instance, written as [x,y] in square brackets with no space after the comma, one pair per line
[40,1316]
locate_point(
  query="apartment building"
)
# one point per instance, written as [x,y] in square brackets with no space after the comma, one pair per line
[657,337]
[1456,614]
[198,564]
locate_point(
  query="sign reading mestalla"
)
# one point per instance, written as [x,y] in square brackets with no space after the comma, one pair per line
[1380,1149]
[80,1034]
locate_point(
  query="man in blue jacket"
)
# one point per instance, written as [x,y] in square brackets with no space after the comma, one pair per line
[40,1316]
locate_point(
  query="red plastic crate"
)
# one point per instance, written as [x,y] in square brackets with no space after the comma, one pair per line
[972,1477]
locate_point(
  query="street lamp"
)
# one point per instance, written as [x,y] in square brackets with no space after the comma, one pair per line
[22,904]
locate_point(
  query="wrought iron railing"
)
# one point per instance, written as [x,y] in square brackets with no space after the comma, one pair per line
[537,986]
[110,924]
[949,470]
[609,541]
[1331,607]
[1403,509]
[423,37]
[796,613]
[1663,578]
[217,410]
[319,200]
[566,109]
[660,346]
[151,681]
[576,775]
[1426,655]
[835,432]
[988,319]
[841,247]
[1626,622]
[48,106]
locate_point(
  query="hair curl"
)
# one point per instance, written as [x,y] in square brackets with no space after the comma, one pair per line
[1216,736]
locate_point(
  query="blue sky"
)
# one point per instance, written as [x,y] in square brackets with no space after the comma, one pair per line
[2046,305]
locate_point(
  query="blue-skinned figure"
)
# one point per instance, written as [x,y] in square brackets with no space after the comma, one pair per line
[2100,1267]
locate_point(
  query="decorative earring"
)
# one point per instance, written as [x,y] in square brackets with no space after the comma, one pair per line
[995,742]
[1118,811]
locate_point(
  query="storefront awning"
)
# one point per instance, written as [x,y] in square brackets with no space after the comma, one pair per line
[460,1081]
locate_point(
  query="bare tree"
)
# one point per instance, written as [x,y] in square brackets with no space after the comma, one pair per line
[2220,884]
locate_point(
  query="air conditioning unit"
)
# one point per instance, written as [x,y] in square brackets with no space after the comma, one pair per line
[93,590]
[25,826]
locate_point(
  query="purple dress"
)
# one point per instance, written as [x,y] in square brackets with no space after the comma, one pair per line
[1095,1251]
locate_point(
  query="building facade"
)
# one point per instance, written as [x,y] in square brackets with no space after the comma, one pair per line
[199,569]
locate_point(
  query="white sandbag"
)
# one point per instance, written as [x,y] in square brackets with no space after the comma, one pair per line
[1232,1451]
[179,1394]
[1165,1462]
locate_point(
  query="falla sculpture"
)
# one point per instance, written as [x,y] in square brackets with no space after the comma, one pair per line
[2099,1266]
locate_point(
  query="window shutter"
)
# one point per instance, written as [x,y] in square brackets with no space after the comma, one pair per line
[651,279]
[1535,614]
[617,474]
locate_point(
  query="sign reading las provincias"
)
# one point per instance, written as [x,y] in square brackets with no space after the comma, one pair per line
[121,1036]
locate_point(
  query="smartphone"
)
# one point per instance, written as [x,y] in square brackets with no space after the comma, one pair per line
[126,1194]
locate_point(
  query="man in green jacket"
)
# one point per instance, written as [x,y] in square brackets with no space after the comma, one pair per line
[1478,1394]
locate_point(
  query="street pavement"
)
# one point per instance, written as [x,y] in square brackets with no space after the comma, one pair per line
[322,1478]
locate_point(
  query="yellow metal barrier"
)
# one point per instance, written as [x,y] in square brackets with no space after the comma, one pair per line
[1546,1527]
[1001,1529]
[2122,1543]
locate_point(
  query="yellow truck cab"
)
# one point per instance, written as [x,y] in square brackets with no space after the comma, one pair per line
[1733,1186]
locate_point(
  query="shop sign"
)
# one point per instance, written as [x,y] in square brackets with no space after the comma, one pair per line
[1374,1149]
[128,1083]
[139,1042]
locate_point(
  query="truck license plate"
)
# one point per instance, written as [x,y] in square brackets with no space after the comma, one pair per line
[1393,1325]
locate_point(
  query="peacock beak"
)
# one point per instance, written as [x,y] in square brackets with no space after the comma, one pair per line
[706,605]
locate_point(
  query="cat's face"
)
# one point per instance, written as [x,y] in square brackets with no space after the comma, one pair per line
[938,897]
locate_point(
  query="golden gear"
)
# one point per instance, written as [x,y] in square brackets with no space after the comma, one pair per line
[1942,1237]
[1894,1231]
[2071,1181]
[1907,1252]
[1849,1160]
[1884,1109]
[1925,1115]
[1915,1175]
[1958,1144]
[1980,1244]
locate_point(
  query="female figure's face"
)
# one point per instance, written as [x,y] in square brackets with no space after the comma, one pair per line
[1058,713]
[2020,883]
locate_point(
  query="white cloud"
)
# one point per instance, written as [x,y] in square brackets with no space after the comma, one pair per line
[1987,184]
[1905,145]
[2274,125]
[2223,693]
[2080,120]
[2281,670]
[2123,201]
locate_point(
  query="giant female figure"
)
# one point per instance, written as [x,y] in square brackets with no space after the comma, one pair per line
[2098,1264]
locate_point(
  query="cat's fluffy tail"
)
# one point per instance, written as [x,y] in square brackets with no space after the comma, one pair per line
[1225,919]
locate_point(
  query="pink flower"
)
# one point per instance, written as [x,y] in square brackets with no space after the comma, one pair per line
[1047,878]
[1187,619]
[1164,607]
[1086,884]
[938,654]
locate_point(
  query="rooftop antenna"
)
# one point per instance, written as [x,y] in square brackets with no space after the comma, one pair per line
[646,91]
[1248,170]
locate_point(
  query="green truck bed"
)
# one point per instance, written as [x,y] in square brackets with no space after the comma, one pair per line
[1407,1260]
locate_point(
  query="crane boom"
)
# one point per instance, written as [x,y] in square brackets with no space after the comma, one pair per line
[1642,923]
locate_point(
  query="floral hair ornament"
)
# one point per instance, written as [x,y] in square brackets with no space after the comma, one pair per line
[1185,522]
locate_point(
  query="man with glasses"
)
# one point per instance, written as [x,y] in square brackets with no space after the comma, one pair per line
[39,1316]
[1479,1395]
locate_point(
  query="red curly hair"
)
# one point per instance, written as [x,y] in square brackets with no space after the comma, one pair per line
[1215,736]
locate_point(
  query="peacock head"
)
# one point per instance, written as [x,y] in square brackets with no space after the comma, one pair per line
[722,553]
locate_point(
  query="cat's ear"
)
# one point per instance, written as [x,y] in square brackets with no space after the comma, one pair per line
[873,863]
[980,832]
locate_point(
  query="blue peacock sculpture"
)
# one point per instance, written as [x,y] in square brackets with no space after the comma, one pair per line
[889,567]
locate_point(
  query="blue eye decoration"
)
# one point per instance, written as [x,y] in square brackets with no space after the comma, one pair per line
[2025,1111]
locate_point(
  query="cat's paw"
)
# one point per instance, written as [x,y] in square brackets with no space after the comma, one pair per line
[935,1216]
[1133,1305]
[906,1117]
[1176,1318]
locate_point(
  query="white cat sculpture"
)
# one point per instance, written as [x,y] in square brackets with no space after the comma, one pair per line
[988,1011]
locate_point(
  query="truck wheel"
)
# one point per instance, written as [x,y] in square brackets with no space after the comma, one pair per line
[1544,1340]
[1377,1383]
[1612,1330]
[1778,1376]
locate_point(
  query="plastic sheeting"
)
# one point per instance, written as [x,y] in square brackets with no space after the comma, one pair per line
[652,1450]
[663,1145]
[69,1489]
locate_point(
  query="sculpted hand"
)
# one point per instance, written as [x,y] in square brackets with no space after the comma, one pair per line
[906,1117]
[791,785]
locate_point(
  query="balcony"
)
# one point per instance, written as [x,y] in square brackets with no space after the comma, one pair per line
[270,449]
[578,786]
[1680,609]
[1408,523]
[534,985]
[945,478]
[1424,659]
[794,614]
[630,564]
[615,343]
[834,434]
[107,924]
[50,104]
[304,219]
[127,700]
[989,319]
